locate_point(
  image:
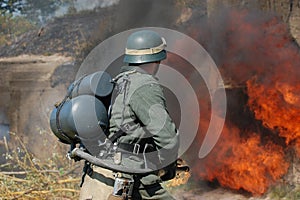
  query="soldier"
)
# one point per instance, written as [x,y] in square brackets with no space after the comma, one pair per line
[139,124]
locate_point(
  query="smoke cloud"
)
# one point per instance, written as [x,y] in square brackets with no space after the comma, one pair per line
[145,13]
[84,5]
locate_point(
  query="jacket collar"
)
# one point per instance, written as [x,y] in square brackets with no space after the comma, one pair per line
[132,68]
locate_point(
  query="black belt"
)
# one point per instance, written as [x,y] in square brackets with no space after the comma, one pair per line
[146,152]
[135,148]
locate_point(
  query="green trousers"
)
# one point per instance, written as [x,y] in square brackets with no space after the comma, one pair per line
[149,187]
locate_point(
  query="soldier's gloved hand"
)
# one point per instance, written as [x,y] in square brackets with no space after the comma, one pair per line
[168,172]
[76,158]
[73,157]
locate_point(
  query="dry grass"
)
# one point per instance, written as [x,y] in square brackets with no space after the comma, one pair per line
[285,191]
[23,177]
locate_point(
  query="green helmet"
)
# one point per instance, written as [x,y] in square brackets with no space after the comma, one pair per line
[145,46]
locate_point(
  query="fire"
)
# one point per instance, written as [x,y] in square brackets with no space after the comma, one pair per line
[255,50]
[277,107]
[243,163]
[290,93]
[181,178]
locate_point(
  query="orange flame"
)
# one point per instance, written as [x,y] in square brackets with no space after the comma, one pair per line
[180,179]
[277,107]
[252,45]
[243,163]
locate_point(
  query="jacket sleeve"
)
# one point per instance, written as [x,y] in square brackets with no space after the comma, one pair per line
[149,106]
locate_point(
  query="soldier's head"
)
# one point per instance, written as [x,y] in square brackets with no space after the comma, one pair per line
[145,47]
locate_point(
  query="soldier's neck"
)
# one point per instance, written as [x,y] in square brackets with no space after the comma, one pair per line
[150,68]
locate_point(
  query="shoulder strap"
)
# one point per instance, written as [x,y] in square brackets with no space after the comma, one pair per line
[123,74]
[114,95]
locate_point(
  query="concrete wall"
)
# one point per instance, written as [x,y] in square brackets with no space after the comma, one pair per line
[27,99]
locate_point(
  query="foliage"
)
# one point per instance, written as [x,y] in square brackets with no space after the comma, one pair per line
[285,191]
[16,25]
[40,11]
[10,6]
[13,27]
[28,178]
[35,11]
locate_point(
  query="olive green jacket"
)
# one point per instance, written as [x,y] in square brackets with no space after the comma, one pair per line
[139,108]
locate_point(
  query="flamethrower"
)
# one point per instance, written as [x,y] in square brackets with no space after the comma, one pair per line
[81,120]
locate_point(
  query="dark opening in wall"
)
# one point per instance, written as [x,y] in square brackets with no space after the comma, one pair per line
[4,131]
[4,125]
